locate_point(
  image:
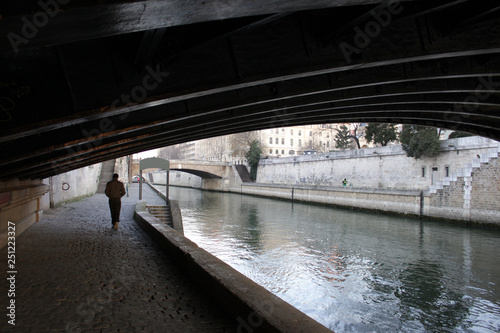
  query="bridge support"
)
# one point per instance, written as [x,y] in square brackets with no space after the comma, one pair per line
[212,184]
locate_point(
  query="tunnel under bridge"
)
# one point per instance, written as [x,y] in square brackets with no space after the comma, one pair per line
[83,82]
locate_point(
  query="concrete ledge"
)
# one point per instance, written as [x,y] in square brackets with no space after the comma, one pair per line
[22,206]
[174,209]
[21,226]
[347,189]
[406,202]
[254,308]
[176,216]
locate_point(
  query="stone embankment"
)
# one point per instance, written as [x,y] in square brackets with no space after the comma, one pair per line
[462,183]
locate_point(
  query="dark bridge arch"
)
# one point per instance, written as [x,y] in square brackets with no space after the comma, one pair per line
[116,92]
[199,173]
[206,170]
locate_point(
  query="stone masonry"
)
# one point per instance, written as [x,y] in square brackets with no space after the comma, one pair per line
[485,193]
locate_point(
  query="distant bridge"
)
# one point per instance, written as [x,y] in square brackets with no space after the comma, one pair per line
[203,169]
[206,170]
[215,175]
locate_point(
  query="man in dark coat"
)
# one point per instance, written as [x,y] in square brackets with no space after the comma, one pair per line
[115,191]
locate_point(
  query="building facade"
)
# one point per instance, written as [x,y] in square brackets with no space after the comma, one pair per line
[275,142]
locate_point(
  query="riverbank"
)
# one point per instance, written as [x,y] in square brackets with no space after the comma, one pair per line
[461,184]
[351,270]
[407,202]
[412,203]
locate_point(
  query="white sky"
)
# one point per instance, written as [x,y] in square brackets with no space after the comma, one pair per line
[146,154]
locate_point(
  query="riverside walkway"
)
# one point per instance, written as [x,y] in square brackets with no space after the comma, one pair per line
[76,274]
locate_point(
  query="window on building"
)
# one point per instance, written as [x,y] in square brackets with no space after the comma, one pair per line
[277,140]
[327,135]
[300,133]
[282,141]
[447,171]
[291,142]
[291,131]
[270,140]
[277,131]
[270,151]
[310,133]
[310,143]
[283,130]
[423,171]
[291,152]
[328,144]
[300,143]
[282,152]
[277,151]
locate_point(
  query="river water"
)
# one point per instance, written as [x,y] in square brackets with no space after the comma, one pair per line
[354,271]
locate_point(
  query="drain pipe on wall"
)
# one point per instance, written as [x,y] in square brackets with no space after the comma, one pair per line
[421,203]
[51,192]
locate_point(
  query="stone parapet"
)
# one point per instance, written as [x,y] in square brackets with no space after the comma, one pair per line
[255,308]
[21,205]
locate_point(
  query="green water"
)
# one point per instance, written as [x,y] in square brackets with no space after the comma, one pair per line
[354,271]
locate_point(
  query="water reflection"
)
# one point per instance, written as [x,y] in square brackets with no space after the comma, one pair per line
[427,299]
[335,266]
[251,224]
[353,271]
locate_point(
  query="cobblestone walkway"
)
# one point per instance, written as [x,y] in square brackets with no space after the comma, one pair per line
[76,274]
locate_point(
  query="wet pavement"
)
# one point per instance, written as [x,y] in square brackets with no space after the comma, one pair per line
[76,274]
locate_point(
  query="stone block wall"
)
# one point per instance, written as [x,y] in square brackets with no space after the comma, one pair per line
[379,167]
[447,203]
[21,204]
[400,202]
[485,193]
[474,198]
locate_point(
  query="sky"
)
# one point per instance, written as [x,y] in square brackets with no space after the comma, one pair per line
[146,154]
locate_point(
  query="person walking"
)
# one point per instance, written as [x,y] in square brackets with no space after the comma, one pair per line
[115,191]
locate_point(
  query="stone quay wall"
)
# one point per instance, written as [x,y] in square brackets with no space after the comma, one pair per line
[471,198]
[391,201]
[379,167]
[462,183]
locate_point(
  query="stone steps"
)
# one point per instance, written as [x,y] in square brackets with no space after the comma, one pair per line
[107,170]
[466,171]
[244,174]
[162,213]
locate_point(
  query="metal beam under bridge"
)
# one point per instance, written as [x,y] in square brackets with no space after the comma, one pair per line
[92,81]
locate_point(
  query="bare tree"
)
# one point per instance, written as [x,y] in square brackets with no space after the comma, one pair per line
[240,143]
[171,153]
[344,135]
[217,147]
[356,134]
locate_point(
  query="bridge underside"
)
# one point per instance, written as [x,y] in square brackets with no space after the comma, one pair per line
[199,173]
[105,79]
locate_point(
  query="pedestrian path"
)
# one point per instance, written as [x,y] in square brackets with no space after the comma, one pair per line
[76,274]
